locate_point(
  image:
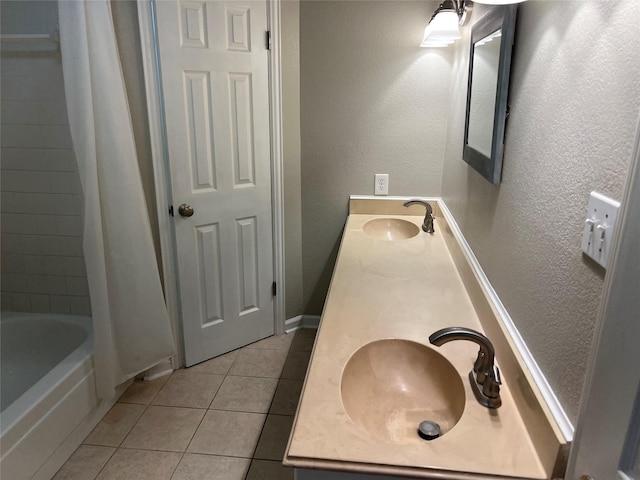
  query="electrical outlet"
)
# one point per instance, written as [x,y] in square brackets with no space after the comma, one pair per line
[598,227]
[381,186]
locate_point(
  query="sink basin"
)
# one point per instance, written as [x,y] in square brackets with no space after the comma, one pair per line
[389,386]
[390,229]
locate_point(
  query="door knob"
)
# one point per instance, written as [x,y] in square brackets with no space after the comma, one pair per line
[185,210]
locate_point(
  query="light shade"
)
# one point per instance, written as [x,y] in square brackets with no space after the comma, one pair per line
[444,26]
[428,41]
[434,44]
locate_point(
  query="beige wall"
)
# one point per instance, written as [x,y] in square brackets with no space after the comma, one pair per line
[290,37]
[372,101]
[575,97]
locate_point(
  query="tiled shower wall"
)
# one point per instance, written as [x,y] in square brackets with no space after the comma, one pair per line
[43,266]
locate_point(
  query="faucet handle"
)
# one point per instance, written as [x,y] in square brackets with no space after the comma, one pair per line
[479,367]
[491,386]
[496,375]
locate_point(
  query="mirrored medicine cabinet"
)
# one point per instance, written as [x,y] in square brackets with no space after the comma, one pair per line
[487,91]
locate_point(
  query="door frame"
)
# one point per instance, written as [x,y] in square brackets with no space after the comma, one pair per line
[612,374]
[160,161]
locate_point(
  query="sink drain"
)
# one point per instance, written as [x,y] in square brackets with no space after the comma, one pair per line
[429,430]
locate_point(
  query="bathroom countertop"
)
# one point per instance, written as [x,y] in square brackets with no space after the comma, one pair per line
[404,289]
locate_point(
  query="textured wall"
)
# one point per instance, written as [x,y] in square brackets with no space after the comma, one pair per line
[372,101]
[575,97]
[290,37]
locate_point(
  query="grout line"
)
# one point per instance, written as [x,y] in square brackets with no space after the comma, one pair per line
[216,393]
[147,406]
[178,406]
[160,451]
[132,426]
[247,376]
[192,436]
[266,416]
[237,411]
[178,464]
[101,469]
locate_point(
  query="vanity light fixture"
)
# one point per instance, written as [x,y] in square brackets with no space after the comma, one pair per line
[444,27]
[435,43]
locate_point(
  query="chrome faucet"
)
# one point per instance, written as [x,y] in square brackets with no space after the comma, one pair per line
[427,225]
[485,376]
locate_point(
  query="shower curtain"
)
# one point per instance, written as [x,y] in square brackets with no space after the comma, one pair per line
[132,331]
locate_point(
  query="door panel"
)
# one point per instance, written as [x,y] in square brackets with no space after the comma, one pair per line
[214,68]
[210,279]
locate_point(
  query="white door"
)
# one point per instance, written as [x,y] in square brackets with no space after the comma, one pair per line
[214,69]
[607,441]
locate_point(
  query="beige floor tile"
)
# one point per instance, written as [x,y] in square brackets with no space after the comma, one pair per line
[245,394]
[274,437]
[211,467]
[275,342]
[143,392]
[304,339]
[254,362]
[296,365]
[216,366]
[128,464]
[115,425]
[269,470]
[287,396]
[85,463]
[233,434]
[188,390]
[164,428]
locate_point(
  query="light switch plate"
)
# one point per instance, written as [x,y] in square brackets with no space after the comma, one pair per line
[602,213]
[381,186]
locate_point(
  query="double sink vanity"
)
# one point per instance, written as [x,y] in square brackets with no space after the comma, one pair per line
[374,375]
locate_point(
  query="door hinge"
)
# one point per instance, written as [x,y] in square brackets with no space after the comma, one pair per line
[268,40]
[273,289]
[171,210]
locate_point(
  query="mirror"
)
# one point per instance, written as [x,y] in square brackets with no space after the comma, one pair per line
[487,91]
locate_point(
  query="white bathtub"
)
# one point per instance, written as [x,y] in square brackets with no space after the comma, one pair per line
[51,404]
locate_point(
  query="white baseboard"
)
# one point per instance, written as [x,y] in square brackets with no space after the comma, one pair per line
[293,324]
[301,321]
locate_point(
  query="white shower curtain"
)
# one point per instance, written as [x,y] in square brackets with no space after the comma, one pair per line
[132,331]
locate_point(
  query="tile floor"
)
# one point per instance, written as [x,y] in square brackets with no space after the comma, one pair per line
[225,419]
